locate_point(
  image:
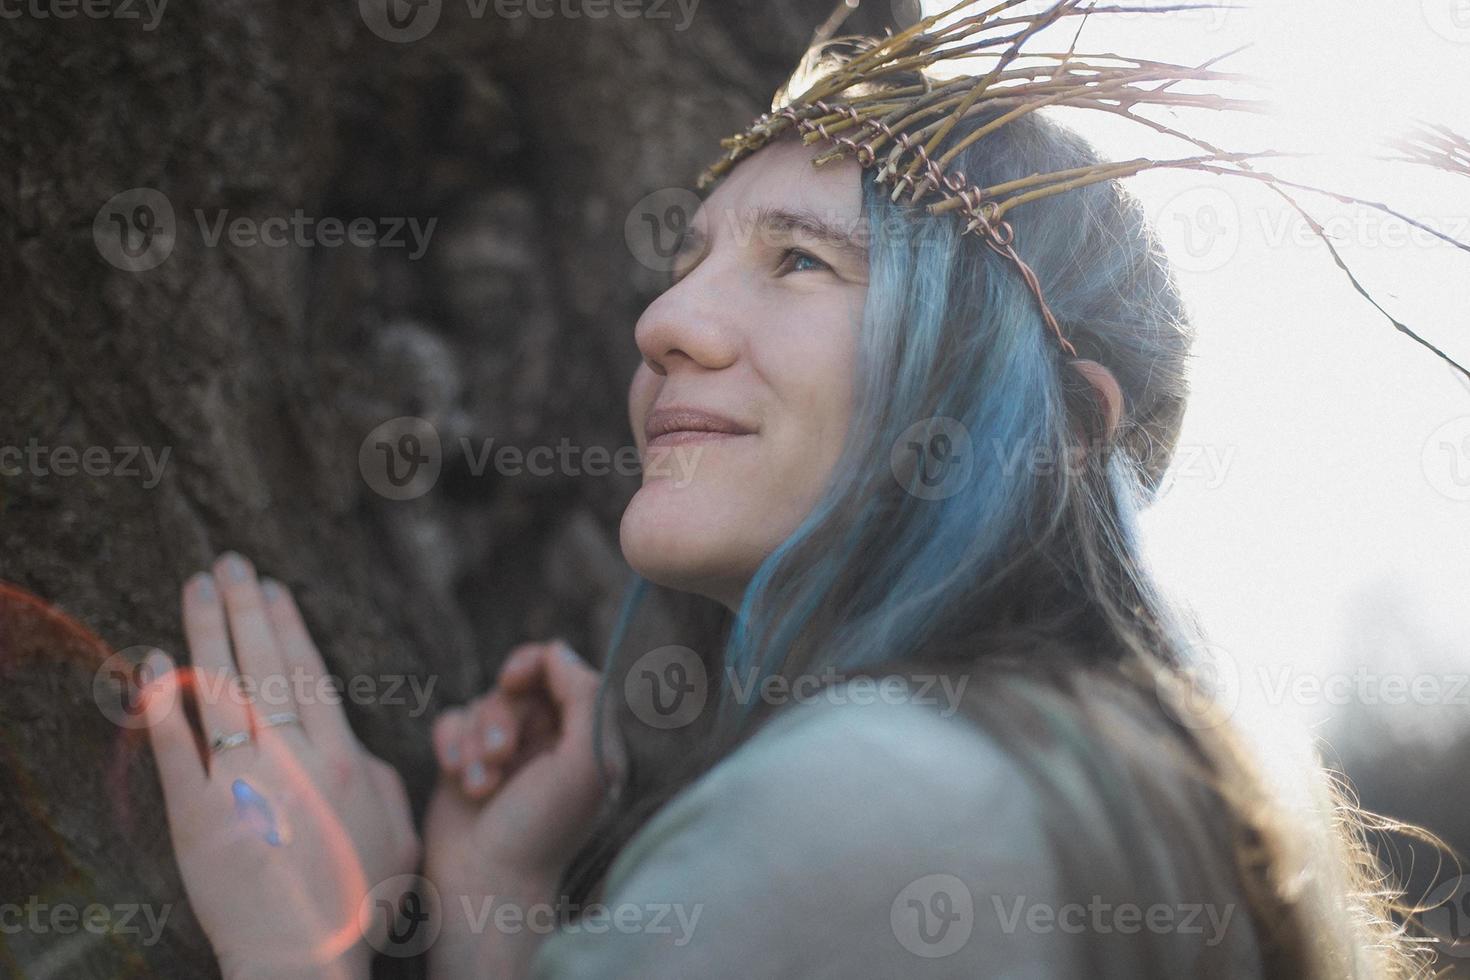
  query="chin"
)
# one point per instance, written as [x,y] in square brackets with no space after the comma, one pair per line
[689,539]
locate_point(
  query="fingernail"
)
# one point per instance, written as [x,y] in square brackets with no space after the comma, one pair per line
[271,589]
[565,649]
[494,737]
[235,567]
[474,775]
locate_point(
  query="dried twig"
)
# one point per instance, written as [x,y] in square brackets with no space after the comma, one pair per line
[862,108]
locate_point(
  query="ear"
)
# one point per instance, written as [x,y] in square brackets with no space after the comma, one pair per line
[1109,393]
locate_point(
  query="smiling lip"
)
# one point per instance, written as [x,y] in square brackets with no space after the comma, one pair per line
[679,424]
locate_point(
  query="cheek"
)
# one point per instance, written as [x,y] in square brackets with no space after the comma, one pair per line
[813,376]
[642,393]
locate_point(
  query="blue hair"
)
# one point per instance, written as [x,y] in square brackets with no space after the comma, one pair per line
[1025,563]
[1034,531]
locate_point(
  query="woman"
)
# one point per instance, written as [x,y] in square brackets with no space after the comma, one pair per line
[909,503]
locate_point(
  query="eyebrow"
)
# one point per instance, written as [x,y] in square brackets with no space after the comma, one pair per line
[773,221]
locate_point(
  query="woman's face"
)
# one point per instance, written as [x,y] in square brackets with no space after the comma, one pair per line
[741,405]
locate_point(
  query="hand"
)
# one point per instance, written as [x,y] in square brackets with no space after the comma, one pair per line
[519,790]
[280,837]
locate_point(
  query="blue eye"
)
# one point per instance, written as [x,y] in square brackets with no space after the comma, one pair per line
[794,258]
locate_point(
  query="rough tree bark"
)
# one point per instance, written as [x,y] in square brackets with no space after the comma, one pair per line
[261,369]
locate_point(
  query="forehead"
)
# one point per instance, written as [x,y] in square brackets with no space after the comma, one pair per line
[780,175]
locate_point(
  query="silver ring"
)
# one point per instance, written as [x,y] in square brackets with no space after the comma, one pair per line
[280,718]
[220,742]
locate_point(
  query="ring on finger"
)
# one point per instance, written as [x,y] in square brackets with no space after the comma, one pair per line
[222,741]
[280,718]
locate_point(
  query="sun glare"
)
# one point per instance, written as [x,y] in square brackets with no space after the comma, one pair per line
[1323,477]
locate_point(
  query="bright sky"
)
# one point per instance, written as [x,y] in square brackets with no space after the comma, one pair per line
[1320,516]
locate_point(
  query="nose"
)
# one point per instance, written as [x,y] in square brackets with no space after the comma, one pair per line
[691,325]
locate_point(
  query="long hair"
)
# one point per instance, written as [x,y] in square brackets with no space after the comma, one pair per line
[975,524]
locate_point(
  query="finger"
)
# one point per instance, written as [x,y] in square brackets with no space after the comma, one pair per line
[495,730]
[487,733]
[477,780]
[521,664]
[394,794]
[215,682]
[175,750]
[320,709]
[538,730]
[446,737]
[565,677]
[257,654]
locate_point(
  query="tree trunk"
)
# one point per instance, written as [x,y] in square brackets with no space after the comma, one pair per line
[223,392]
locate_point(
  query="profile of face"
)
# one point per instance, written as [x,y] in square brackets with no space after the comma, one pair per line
[742,401]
